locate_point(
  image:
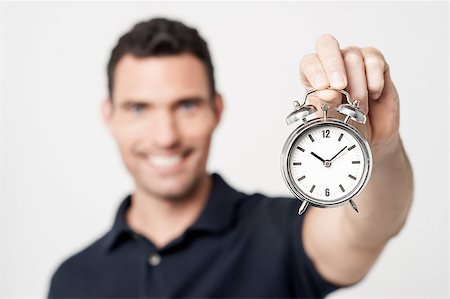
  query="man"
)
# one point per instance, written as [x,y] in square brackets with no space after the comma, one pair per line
[185,233]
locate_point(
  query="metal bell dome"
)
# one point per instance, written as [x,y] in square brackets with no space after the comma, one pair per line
[352,111]
[300,113]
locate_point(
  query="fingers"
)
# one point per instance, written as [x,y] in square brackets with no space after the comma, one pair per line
[361,71]
[376,67]
[356,76]
[329,53]
[324,69]
[312,72]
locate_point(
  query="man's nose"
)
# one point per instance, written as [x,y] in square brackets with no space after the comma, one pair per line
[165,131]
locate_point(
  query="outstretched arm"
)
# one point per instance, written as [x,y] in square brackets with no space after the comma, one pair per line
[342,244]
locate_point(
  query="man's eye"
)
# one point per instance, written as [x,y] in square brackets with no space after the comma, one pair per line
[137,108]
[188,105]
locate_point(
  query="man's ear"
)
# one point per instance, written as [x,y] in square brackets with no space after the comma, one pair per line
[107,111]
[218,107]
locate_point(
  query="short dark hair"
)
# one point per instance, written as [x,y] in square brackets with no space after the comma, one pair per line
[161,37]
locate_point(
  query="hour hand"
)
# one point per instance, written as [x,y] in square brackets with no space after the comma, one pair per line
[315,155]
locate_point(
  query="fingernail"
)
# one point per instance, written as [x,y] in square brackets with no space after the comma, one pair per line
[320,81]
[337,80]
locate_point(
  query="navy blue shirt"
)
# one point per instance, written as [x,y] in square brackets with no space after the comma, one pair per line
[240,246]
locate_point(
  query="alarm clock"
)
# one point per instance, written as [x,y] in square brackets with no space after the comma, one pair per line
[325,161]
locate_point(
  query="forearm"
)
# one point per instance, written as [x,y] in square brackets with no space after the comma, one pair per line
[384,203]
[344,244]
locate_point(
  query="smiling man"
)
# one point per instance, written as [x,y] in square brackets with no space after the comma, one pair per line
[162,114]
[186,233]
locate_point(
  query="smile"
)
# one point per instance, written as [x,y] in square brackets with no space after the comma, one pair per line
[165,161]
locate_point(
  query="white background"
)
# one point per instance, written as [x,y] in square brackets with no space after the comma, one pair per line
[61,175]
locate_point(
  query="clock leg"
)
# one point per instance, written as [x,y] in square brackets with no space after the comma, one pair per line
[303,207]
[353,204]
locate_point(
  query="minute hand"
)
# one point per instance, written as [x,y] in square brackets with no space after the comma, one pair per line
[337,154]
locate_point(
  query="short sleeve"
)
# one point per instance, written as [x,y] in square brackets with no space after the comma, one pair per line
[306,279]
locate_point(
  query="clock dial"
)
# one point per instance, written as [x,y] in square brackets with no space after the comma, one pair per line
[327,163]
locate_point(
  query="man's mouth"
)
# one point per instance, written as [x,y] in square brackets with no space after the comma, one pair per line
[167,162]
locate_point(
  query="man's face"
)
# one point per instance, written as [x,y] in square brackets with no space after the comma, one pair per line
[162,118]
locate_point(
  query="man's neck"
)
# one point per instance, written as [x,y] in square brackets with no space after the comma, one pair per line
[161,220]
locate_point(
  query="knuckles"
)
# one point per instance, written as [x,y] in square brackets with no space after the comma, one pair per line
[374,57]
[352,49]
[374,62]
[369,58]
[373,51]
[308,59]
[353,56]
[309,64]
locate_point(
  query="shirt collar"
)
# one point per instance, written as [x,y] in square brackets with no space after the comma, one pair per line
[120,229]
[217,215]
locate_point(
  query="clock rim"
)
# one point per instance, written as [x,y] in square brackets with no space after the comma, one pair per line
[286,152]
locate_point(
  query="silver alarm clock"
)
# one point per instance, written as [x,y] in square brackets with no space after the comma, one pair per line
[326,161]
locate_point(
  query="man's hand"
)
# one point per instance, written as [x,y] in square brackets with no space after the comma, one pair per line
[342,244]
[364,73]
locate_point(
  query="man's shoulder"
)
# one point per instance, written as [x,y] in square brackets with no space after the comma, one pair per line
[75,270]
[254,207]
[272,204]
[275,211]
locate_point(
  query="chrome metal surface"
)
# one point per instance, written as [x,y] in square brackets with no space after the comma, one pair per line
[325,110]
[303,207]
[353,204]
[300,114]
[286,153]
[345,93]
[352,112]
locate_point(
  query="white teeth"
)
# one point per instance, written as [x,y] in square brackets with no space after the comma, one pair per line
[162,161]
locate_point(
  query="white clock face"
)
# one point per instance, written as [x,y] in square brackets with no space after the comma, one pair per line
[327,163]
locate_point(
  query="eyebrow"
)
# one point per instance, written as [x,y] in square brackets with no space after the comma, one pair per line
[146,103]
[197,100]
[128,102]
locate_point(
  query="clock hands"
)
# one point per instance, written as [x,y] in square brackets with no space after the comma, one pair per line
[315,155]
[334,157]
[327,163]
